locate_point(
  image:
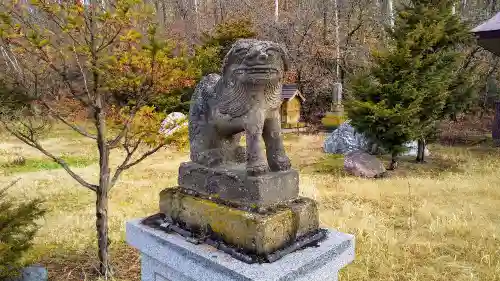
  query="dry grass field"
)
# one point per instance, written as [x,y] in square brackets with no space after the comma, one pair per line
[437,221]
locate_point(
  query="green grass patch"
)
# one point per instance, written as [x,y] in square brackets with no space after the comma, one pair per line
[33,165]
[332,164]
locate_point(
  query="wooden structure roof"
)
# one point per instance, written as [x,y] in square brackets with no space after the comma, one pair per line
[290,91]
[488,34]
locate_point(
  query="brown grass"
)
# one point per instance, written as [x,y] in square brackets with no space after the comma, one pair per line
[436,221]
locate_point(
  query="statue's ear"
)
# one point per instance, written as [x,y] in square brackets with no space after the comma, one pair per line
[229,56]
[226,62]
[285,57]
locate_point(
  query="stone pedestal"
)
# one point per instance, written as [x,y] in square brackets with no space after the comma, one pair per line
[169,257]
[231,183]
[255,233]
[335,116]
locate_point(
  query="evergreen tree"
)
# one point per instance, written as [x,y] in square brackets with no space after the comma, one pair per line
[17,229]
[223,38]
[403,95]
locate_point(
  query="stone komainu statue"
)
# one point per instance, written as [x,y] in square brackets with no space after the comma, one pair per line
[246,98]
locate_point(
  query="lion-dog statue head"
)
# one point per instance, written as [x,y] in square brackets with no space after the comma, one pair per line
[252,67]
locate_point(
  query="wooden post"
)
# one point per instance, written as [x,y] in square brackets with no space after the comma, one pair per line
[495,132]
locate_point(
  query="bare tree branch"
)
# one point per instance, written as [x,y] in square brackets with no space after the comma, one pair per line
[29,140]
[145,155]
[123,132]
[105,45]
[54,18]
[11,184]
[121,167]
[69,124]
[46,58]
[85,83]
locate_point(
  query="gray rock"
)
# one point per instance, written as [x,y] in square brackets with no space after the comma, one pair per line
[174,122]
[346,139]
[362,164]
[33,273]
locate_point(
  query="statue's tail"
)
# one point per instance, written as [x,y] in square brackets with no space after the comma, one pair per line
[199,112]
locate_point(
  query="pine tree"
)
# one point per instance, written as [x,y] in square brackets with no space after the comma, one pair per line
[225,34]
[208,59]
[445,89]
[403,95]
[17,229]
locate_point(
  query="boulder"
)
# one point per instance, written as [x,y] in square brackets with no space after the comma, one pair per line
[174,122]
[346,139]
[32,273]
[362,164]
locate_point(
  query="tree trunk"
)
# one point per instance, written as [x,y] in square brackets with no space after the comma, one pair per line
[390,13]
[421,151]
[394,162]
[464,6]
[102,231]
[337,40]
[196,16]
[387,13]
[102,193]
[164,14]
[100,123]
[222,11]
[276,10]
[495,132]
[216,13]
[325,22]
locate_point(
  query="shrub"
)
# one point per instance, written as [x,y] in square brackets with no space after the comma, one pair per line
[17,229]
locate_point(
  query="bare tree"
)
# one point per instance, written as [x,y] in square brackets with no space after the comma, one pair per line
[84,56]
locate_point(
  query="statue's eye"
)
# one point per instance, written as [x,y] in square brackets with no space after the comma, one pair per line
[241,51]
[272,51]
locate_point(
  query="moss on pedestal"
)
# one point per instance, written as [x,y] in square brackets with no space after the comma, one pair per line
[253,232]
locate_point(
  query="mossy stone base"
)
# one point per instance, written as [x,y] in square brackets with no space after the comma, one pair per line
[253,232]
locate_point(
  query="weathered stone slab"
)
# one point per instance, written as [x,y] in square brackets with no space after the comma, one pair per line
[170,257]
[232,183]
[256,233]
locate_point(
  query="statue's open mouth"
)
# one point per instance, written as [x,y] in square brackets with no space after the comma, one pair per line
[257,70]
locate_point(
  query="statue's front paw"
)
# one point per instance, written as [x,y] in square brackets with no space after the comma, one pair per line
[280,163]
[258,168]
